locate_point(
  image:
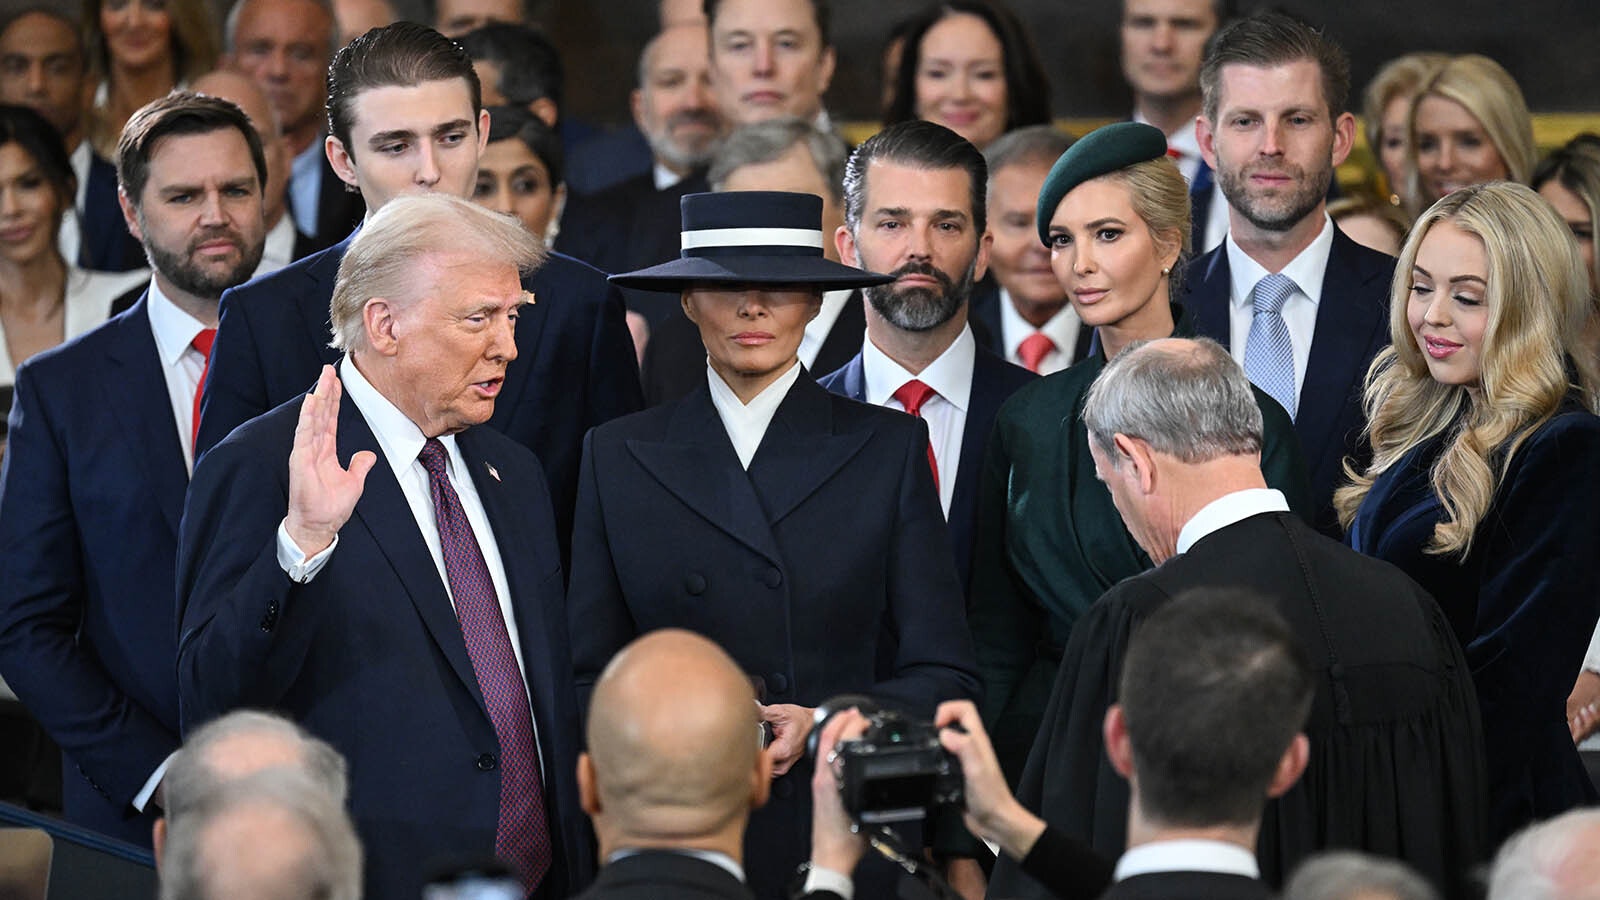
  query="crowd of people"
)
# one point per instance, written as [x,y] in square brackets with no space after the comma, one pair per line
[406,487]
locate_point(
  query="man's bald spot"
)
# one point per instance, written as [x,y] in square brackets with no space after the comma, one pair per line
[242,92]
[673,736]
[259,851]
[244,753]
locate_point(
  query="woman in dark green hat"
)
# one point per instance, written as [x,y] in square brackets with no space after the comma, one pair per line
[1114,212]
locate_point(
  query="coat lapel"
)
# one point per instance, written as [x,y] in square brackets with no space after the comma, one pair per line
[697,464]
[1208,298]
[137,397]
[386,515]
[313,301]
[1346,324]
[800,452]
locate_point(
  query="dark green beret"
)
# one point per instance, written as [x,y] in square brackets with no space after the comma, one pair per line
[1101,151]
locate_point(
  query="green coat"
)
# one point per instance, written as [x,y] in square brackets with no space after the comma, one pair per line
[1050,542]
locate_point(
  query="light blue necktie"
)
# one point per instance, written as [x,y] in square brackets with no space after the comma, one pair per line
[1268,352]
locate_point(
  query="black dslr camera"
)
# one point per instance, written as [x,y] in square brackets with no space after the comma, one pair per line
[895,772]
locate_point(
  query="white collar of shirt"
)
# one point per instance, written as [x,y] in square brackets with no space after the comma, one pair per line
[1305,270]
[721,860]
[1187,856]
[746,423]
[1228,509]
[82,155]
[174,329]
[664,177]
[279,248]
[1062,329]
[817,329]
[950,375]
[398,437]
[1186,140]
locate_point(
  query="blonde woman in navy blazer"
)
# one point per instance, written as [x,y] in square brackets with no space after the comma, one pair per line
[812,549]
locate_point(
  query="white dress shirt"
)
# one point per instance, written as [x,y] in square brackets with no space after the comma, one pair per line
[305,186]
[1062,329]
[1191,855]
[950,376]
[69,238]
[279,248]
[181,363]
[817,329]
[1299,311]
[1228,509]
[746,423]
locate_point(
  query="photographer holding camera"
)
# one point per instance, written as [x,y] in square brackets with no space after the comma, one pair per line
[1208,665]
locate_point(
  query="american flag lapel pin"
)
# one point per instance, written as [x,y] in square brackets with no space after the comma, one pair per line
[492,473]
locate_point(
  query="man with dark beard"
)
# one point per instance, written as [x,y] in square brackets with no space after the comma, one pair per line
[915,207]
[1301,306]
[102,437]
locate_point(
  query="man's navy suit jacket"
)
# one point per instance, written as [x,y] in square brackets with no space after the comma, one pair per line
[575,365]
[993,380]
[369,655]
[91,495]
[1352,326]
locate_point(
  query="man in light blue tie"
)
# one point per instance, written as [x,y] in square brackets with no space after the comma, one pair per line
[1301,306]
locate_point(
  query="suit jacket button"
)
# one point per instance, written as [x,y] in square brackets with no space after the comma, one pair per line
[695,583]
[778,682]
[773,577]
[487,762]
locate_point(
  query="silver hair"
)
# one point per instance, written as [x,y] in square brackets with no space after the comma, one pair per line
[1346,874]
[1186,398]
[1033,144]
[331,869]
[230,26]
[763,142]
[1529,864]
[191,776]
[383,259]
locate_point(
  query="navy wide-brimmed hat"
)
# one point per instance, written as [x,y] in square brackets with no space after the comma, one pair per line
[750,237]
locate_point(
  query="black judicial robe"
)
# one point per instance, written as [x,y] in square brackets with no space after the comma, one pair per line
[1396,765]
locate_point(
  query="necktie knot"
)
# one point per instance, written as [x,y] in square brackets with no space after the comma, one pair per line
[435,459]
[1271,293]
[204,340]
[1033,349]
[912,395]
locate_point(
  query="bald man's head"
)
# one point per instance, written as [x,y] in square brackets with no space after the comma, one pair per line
[243,92]
[673,745]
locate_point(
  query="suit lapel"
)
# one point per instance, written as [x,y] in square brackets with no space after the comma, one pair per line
[845,337]
[386,515]
[314,301]
[800,452]
[1208,298]
[1344,330]
[853,383]
[697,464]
[137,396]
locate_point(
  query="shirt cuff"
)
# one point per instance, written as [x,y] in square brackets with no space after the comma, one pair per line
[1591,660]
[820,879]
[142,799]
[299,567]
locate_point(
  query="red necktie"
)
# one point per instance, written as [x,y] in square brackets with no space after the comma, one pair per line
[522,836]
[1033,349]
[912,395]
[201,342]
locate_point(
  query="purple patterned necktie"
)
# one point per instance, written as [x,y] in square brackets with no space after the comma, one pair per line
[522,836]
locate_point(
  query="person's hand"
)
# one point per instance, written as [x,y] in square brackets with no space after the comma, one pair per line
[1583,706]
[991,812]
[790,726]
[322,493]
[834,843]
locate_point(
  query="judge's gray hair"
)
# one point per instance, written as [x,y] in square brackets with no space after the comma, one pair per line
[1348,875]
[385,259]
[1538,862]
[1185,398]
[193,772]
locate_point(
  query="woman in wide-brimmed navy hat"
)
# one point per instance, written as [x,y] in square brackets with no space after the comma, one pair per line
[799,530]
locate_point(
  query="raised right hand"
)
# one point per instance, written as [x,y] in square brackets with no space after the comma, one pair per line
[322,493]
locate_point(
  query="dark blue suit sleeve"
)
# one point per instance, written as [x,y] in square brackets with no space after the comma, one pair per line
[242,636]
[236,389]
[597,615]
[114,741]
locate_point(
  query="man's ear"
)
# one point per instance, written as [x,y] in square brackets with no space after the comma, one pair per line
[483,129]
[129,214]
[825,71]
[340,160]
[1291,766]
[1206,136]
[761,780]
[377,317]
[845,243]
[158,839]
[588,788]
[636,107]
[985,245]
[1344,138]
[1137,453]
[1119,748]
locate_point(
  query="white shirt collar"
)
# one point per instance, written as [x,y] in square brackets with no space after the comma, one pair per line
[664,177]
[746,423]
[1187,856]
[174,329]
[278,251]
[398,437]
[81,157]
[1228,509]
[1062,328]
[950,375]
[1186,140]
[817,329]
[1306,270]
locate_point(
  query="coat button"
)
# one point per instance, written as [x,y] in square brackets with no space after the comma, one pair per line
[778,682]
[487,762]
[695,583]
[772,577]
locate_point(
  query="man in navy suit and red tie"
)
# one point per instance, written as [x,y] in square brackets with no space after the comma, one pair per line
[100,453]
[368,562]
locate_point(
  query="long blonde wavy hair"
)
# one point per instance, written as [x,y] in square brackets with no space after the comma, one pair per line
[1537,298]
